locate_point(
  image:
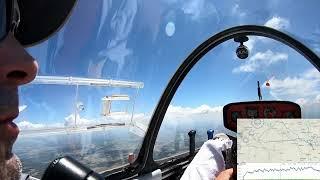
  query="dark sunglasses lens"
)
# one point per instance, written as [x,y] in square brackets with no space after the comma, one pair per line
[3,19]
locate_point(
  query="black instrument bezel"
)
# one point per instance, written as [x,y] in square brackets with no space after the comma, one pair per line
[227,107]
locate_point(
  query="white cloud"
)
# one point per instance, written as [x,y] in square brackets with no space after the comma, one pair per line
[70,121]
[186,111]
[293,86]
[23,125]
[120,117]
[275,22]
[178,115]
[139,120]
[250,43]
[261,60]
[306,85]
[182,119]
[309,108]
[278,23]
[301,101]
[269,55]
[303,89]
[175,116]
[198,9]
[202,116]
[312,74]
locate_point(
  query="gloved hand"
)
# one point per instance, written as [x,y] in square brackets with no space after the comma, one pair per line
[209,161]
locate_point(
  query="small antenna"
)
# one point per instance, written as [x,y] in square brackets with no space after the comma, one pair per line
[259,91]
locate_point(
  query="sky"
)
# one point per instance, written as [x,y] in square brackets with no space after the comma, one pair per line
[145,41]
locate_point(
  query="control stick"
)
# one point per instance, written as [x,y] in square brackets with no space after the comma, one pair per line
[192,145]
[210,133]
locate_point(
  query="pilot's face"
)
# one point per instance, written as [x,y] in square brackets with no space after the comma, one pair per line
[17,67]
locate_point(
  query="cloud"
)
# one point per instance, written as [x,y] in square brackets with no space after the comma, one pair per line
[301,101]
[303,89]
[182,117]
[250,43]
[175,116]
[275,22]
[312,74]
[177,111]
[306,85]
[198,9]
[309,108]
[24,125]
[261,60]
[179,116]
[313,41]
[278,23]
[70,121]
[120,117]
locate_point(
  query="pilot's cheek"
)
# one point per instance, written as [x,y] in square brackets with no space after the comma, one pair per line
[17,67]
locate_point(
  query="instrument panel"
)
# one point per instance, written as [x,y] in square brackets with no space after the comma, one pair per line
[258,109]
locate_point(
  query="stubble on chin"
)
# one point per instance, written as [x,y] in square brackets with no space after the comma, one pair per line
[10,164]
[10,168]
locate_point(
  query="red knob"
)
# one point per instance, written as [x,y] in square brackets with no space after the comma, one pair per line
[268,84]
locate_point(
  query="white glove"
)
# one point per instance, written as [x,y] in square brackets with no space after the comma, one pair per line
[208,162]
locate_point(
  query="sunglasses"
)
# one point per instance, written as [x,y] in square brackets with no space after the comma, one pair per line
[9,17]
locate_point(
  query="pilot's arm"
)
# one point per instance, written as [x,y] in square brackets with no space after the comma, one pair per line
[208,162]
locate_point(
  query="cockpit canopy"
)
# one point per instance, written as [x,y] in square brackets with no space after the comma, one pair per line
[116,59]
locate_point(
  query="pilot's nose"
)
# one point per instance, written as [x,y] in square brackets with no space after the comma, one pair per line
[17,67]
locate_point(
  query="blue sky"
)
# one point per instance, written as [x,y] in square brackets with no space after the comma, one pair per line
[146,41]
